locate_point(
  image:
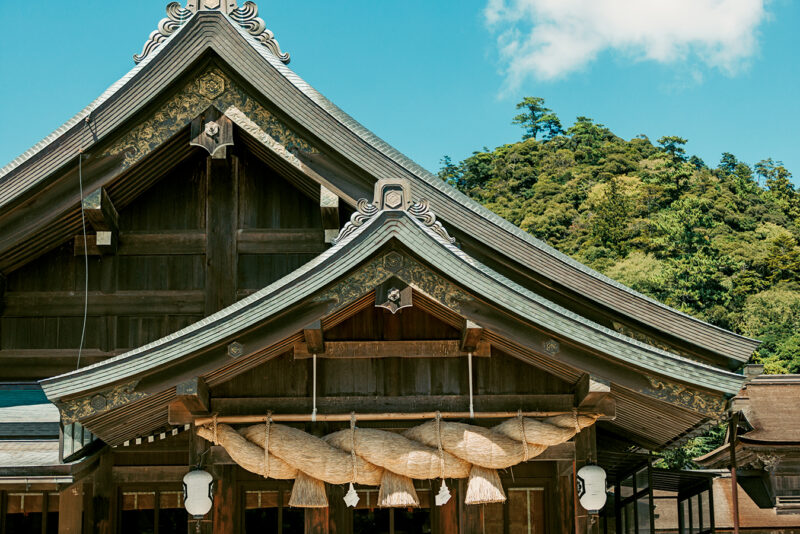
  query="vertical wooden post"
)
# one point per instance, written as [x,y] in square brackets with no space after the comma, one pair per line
[224,509]
[88,507]
[446,517]
[222,220]
[734,423]
[470,516]
[70,508]
[104,501]
[340,519]
[566,509]
[317,521]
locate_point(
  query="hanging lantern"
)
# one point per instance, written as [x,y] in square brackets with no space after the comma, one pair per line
[591,484]
[198,492]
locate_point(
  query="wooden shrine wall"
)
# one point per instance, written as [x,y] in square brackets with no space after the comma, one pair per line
[163,276]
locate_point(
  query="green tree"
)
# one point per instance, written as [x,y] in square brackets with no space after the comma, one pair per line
[537,119]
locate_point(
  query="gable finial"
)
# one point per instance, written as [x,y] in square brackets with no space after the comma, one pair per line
[245,16]
[393,195]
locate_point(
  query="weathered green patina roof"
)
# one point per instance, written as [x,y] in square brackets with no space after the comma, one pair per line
[405,231]
[325,125]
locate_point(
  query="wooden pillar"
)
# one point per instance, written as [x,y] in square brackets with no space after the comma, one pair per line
[565,507]
[470,516]
[70,509]
[222,220]
[104,500]
[340,520]
[225,501]
[317,521]
[734,423]
[445,518]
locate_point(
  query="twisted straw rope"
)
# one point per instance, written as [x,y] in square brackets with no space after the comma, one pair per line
[435,449]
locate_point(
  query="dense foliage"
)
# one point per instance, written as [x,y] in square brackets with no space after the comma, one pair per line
[718,242]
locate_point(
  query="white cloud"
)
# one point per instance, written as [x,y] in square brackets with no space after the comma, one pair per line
[548,39]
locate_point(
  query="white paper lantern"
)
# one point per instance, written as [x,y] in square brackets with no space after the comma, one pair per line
[592,487]
[198,488]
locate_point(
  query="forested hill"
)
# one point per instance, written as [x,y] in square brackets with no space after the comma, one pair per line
[717,241]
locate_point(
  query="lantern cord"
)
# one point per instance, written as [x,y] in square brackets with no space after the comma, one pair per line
[471,405]
[314,390]
[85,260]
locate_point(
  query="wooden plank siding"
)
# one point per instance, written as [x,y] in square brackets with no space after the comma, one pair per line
[187,247]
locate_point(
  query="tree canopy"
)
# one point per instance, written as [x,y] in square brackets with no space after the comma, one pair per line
[717,242]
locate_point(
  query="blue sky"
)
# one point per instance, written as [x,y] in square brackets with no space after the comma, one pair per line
[443,77]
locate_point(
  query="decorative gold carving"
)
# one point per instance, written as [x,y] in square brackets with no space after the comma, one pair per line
[74,410]
[211,88]
[692,399]
[644,338]
[409,271]
[551,347]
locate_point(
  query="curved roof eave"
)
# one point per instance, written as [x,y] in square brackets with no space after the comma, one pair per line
[665,319]
[336,261]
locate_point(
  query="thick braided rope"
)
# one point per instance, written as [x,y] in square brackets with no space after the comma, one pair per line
[435,449]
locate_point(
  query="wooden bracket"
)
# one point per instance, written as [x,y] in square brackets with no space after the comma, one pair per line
[103,217]
[329,207]
[213,131]
[470,336]
[594,394]
[393,295]
[315,340]
[191,400]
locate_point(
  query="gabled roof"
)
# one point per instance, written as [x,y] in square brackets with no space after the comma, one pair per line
[415,231]
[334,132]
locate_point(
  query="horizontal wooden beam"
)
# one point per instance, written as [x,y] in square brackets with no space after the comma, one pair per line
[445,348]
[71,303]
[281,241]
[405,403]
[150,244]
[128,474]
[386,416]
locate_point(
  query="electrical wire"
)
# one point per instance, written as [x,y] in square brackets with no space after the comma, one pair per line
[85,260]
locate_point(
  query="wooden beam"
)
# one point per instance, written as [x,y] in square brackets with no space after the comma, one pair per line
[444,348]
[329,208]
[193,393]
[133,474]
[405,403]
[280,241]
[103,217]
[3,285]
[151,244]
[470,337]
[70,303]
[225,506]
[594,393]
[315,341]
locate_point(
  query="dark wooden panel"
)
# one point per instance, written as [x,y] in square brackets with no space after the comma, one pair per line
[378,324]
[281,241]
[138,331]
[50,304]
[259,271]
[161,273]
[176,202]
[144,244]
[269,201]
